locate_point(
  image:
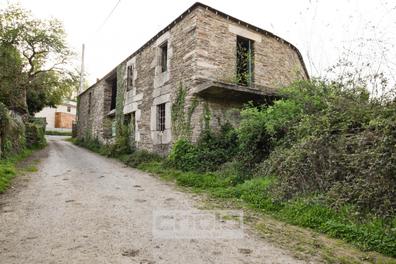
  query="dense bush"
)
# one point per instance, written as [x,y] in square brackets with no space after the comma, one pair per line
[341,144]
[211,150]
[141,156]
[12,133]
[35,134]
[122,143]
[260,130]
[90,143]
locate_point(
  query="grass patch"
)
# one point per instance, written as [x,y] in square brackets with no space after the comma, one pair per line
[58,133]
[8,168]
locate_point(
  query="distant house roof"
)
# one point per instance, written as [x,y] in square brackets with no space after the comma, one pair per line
[217,12]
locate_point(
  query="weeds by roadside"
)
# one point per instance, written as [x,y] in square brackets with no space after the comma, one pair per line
[8,168]
[58,133]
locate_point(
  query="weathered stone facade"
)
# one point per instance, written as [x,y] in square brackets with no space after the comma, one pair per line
[200,53]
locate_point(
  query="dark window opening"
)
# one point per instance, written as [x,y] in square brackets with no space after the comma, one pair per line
[161,117]
[69,109]
[113,94]
[130,77]
[129,122]
[164,57]
[89,102]
[133,126]
[244,61]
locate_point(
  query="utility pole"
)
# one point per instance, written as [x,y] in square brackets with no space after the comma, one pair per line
[80,89]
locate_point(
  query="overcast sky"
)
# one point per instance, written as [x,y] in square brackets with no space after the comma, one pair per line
[322,30]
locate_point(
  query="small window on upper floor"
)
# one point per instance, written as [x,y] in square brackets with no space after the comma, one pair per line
[244,61]
[69,109]
[113,101]
[130,77]
[164,57]
[161,117]
[89,102]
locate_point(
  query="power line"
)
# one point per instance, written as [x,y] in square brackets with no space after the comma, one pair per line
[108,17]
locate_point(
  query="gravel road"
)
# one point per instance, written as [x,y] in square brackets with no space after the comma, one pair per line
[83,208]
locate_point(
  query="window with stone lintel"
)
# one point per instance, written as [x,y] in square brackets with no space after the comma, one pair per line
[164,57]
[244,61]
[161,117]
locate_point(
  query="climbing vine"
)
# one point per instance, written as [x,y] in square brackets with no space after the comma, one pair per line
[12,133]
[207,116]
[181,119]
[120,100]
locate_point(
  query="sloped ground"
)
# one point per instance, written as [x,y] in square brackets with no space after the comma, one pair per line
[83,208]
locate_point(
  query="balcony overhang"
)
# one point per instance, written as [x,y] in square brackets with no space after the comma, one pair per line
[111,113]
[234,92]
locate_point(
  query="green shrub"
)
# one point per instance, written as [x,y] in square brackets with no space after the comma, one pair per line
[216,148]
[122,145]
[7,171]
[140,157]
[58,133]
[92,144]
[200,180]
[12,133]
[184,156]
[342,146]
[211,150]
[235,171]
[35,135]
[8,168]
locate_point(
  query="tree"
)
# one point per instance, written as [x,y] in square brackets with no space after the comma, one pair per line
[42,75]
[10,76]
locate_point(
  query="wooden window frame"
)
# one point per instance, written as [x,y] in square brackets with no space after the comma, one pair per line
[161,116]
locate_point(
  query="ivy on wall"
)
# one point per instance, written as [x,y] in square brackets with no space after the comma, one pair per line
[207,116]
[120,100]
[181,119]
[12,133]
[123,143]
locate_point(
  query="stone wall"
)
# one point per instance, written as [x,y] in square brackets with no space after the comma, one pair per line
[201,46]
[151,87]
[91,116]
[276,63]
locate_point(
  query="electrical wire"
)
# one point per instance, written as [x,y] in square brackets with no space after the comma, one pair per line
[108,17]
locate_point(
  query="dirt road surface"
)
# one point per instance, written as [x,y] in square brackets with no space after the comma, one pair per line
[83,208]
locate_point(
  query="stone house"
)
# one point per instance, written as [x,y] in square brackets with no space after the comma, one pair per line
[196,73]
